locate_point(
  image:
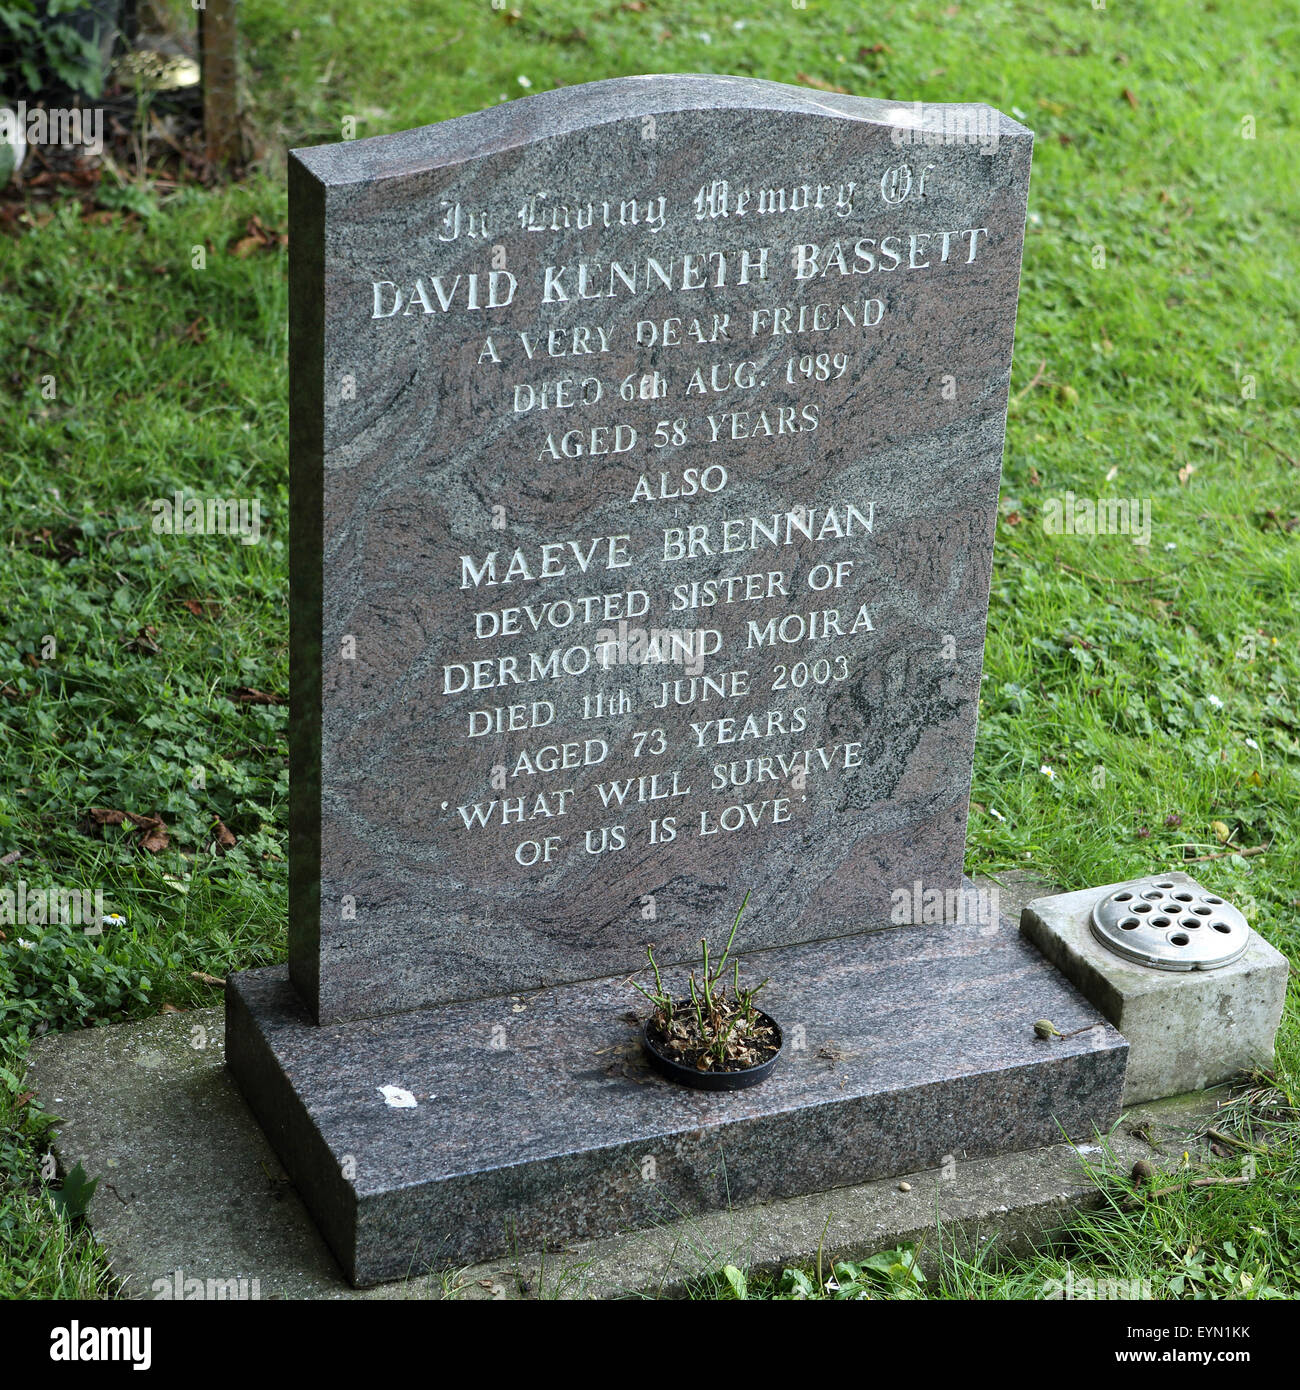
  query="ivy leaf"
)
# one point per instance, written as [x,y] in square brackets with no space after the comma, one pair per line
[73,1198]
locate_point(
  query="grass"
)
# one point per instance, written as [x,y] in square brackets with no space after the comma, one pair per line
[1141,703]
[1179,1241]
[1220,1220]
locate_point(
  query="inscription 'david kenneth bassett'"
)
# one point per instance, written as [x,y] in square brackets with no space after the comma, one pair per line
[696,491]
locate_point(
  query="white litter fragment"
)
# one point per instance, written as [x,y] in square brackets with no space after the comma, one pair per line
[397,1098]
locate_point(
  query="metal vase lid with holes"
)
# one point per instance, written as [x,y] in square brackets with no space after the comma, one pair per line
[1170,926]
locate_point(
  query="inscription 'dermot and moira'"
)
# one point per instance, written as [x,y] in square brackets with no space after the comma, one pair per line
[801,601]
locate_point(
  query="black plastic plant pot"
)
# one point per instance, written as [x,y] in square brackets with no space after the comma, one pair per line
[713,1080]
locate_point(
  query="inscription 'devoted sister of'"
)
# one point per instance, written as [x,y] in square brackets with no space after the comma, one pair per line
[646,449]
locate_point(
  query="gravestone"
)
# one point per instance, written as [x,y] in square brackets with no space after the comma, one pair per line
[646,443]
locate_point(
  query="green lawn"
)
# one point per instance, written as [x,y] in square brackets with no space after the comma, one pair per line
[1141,705]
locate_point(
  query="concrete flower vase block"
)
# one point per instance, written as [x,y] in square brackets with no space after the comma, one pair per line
[1186,1029]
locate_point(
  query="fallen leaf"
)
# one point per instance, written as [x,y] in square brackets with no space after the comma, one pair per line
[1221,831]
[143,641]
[1130,98]
[12,857]
[222,838]
[258,237]
[154,838]
[202,607]
[246,695]
[153,833]
[1185,472]
[1013,518]
[819,83]
[205,979]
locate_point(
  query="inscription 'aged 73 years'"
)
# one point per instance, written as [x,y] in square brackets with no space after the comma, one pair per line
[646,448]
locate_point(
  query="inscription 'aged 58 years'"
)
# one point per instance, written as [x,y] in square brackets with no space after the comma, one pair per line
[646,447]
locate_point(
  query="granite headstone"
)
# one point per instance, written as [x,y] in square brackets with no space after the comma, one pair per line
[646,446]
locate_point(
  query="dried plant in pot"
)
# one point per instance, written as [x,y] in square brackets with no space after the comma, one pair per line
[716,1038]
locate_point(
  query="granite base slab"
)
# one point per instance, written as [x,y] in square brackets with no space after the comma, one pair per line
[457,1133]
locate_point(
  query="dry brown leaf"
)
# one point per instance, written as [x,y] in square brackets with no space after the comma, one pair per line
[258,237]
[222,838]
[153,833]
[819,83]
[143,641]
[205,979]
[202,607]
[154,838]
[246,695]
[1130,98]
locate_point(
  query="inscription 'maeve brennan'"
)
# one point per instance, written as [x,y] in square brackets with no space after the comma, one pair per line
[646,447]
